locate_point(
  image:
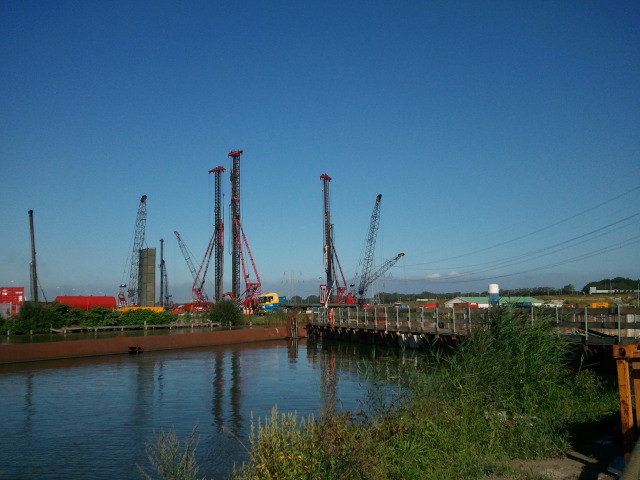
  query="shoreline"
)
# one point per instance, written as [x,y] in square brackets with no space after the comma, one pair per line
[28,352]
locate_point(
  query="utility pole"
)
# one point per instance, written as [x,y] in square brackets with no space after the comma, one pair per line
[34,272]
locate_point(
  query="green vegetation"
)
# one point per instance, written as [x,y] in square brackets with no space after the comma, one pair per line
[170,460]
[507,392]
[619,284]
[225,312]
[38,318]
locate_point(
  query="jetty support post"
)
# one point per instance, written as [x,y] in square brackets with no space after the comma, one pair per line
[628,369]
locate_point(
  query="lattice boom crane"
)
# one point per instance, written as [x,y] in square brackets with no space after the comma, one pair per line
[134,269]
[370,245]
[199,296]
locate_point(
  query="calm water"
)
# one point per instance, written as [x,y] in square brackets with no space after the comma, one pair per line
[91,418]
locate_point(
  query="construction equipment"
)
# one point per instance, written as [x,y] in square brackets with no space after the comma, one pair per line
[270,302]
[235,222]
[377,273]
[333,291]
[239,244]
[134,265]
[369,274]
[165,297]
[369,249]
[33,270]
[218,235]
[200,299]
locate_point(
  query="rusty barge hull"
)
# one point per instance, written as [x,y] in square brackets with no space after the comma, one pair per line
[121,344]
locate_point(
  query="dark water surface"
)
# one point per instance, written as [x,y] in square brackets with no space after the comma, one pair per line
[92,417]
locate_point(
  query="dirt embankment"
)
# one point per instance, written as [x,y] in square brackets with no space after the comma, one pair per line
[121,344]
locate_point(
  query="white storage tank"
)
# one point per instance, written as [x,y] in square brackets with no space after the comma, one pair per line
[494,294]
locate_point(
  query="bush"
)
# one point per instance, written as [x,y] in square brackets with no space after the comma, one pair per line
[226,312]
[140,316]
[38,318]
[34,317]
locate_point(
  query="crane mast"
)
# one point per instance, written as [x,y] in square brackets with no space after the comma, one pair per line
[370,245]
[165,297]
[235,222]
[333,290]
[328,231]
[326,291]
[239,243]
[33,270]
[218,235]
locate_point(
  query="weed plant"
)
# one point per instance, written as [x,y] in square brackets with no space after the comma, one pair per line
[171,460]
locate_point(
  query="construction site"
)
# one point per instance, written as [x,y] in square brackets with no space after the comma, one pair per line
[146,283]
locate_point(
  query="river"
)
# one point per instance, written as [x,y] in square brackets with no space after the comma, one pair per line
[93,417]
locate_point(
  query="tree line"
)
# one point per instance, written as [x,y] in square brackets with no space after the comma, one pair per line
[619,284]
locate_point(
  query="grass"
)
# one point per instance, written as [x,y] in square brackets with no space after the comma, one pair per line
[507,392]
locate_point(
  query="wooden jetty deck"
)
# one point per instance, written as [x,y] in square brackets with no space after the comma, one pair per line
[413,326]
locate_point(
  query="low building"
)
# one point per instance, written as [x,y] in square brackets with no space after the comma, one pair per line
[483,302]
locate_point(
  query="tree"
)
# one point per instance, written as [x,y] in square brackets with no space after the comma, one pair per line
[312,299]
[225,312]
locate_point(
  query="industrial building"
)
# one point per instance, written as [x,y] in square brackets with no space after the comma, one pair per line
[483,302]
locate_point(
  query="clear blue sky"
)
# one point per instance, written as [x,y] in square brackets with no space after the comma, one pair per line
[504,137]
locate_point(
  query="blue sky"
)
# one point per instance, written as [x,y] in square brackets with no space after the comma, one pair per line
[503,136]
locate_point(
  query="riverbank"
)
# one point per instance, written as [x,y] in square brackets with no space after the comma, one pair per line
[125,345]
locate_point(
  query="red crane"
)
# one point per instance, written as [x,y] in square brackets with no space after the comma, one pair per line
[252,290]
[200,299]
[218,233]
[239,243]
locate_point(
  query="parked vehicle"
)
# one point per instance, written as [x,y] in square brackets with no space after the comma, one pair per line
[599,305]
[269,302]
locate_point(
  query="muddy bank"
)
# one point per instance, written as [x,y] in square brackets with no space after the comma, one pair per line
[123,345]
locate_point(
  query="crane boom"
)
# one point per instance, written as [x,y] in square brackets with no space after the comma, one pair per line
[370,245]
[186,254]
[198,294]
[383,268]
[134,266]
[199,279]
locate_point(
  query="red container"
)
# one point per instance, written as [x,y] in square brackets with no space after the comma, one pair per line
[87,302]
[13,296]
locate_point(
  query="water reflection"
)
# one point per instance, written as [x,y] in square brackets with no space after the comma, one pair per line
[91,417]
